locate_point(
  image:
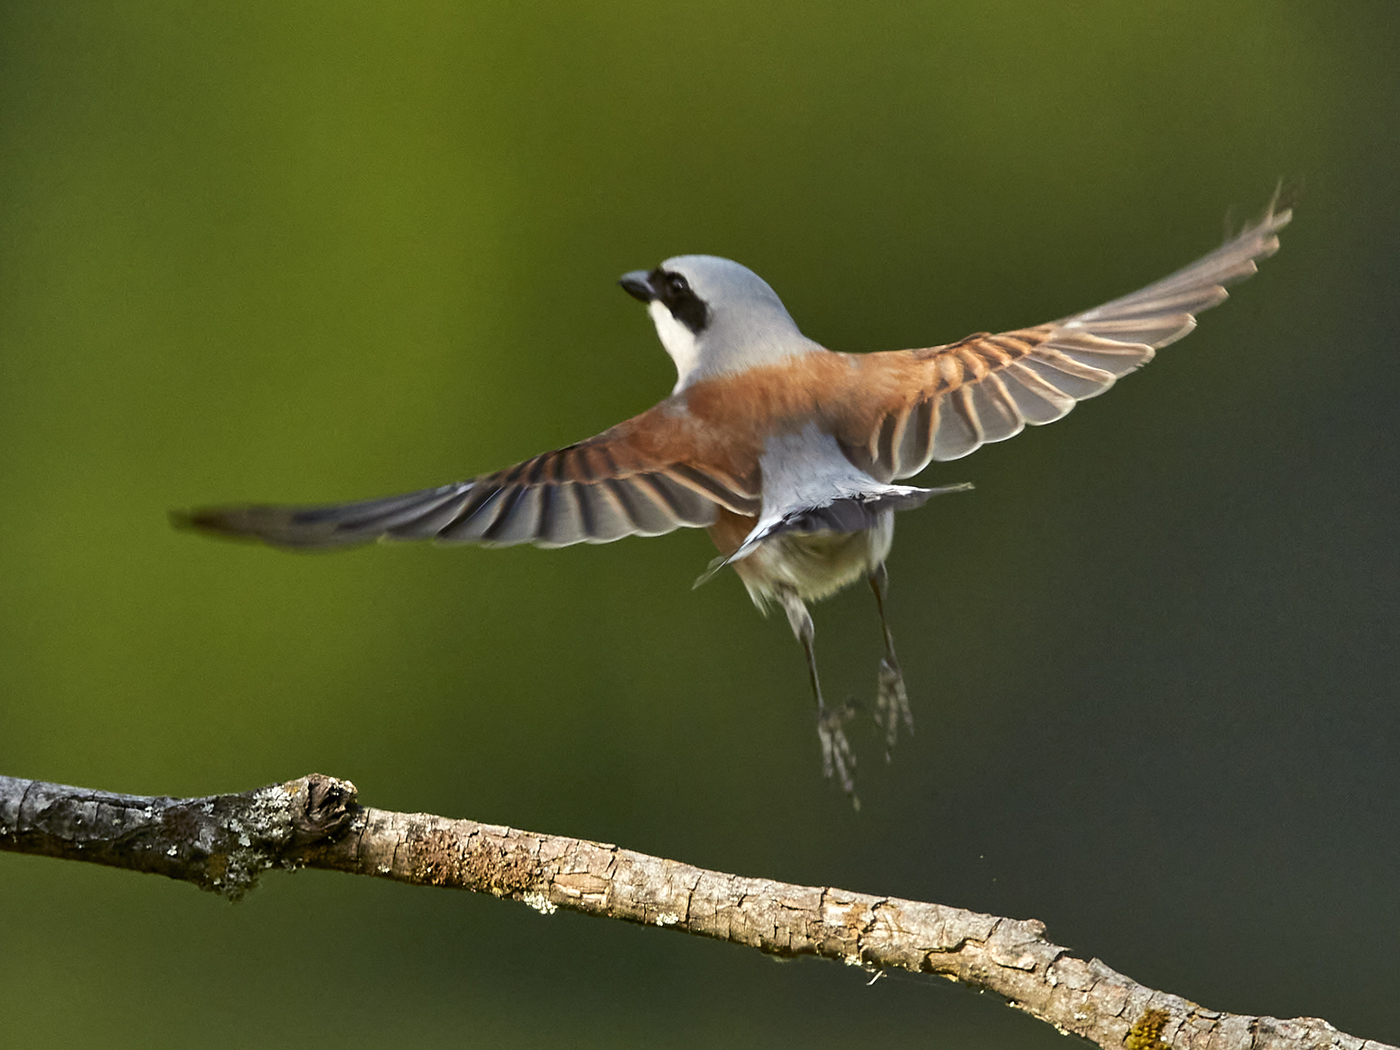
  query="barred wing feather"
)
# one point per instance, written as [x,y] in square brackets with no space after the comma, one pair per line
[986,387]
[597,491]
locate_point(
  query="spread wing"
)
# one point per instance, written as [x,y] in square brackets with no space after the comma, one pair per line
[620,483]
[947,401]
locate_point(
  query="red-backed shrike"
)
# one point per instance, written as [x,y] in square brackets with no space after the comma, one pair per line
[785,451]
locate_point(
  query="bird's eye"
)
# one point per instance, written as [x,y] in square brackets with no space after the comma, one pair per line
[675,293]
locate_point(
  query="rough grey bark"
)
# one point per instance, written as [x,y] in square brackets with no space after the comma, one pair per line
[222,843]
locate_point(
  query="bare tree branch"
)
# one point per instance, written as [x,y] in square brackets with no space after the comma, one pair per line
[222,843]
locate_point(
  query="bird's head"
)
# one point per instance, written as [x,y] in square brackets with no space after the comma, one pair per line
[714,316]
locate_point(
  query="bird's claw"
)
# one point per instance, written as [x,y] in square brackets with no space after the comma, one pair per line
[892,704]
[838,759]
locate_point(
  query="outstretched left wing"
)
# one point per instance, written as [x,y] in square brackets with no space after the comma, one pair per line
[624,482]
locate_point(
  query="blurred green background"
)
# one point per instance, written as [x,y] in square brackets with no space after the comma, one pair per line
[332,250]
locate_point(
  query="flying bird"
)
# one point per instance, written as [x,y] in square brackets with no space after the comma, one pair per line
[786,452]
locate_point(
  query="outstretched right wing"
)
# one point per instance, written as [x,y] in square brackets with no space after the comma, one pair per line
[614,485]
[945,402]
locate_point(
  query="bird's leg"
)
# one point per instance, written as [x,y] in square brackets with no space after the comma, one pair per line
[837,756]
[892,700]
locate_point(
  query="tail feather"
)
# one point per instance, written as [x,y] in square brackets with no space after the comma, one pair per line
[845,514]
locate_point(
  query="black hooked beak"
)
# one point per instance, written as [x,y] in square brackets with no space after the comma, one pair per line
[637,284]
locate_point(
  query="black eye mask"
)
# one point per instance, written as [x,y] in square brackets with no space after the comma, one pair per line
[675,293]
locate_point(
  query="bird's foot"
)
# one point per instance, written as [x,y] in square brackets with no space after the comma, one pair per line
[838,759]
[892,704]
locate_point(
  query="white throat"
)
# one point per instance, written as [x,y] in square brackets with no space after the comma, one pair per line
[678,340]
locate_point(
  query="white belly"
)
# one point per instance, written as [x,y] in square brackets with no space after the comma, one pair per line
[813,565]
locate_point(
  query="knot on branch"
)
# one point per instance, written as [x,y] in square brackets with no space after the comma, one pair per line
[229,840]
[321,807]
